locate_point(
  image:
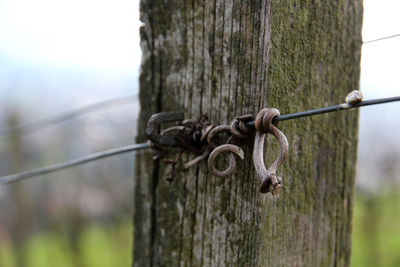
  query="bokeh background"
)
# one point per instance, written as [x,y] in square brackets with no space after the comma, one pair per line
[59,55]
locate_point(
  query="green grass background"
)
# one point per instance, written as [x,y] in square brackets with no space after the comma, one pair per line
[100,246]
[376,240]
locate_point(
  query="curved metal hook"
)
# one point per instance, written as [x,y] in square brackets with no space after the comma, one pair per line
[269,181]
[239,128]
[220,149]
[153,127]
[232,162]
[206,131]
[178,128]
[215,131]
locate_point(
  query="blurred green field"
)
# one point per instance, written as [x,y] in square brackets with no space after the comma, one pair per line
[376,240]
[99,245]
[376,230]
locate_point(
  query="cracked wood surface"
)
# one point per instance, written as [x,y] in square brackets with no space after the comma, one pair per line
[228,58]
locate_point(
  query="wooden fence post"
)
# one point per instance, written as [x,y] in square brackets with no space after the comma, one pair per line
[227,58]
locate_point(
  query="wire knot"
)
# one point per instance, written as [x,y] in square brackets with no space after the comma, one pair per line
[239,127]
[264,120]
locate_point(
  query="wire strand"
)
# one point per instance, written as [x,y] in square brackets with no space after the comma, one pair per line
[59,166]
[63,165]
[37,125]
[339,107]
[381,39]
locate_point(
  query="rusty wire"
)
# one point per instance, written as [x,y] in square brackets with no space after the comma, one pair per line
[340,107]
[192,136]
[200,138]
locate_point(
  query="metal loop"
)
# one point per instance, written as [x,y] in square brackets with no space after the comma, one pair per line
[269,181]
[263,122]
[215,131]
[206,132]
[234,129]
[233,149]
[239,128]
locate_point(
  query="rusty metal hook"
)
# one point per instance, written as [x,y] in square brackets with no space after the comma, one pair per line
[232,161]
[153,127]
[233,149]
[215,131]
[239,128]
[264,125]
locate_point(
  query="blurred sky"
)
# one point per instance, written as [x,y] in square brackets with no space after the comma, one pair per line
[56,55]
[381,60]
[101,36]
[89,35]
[379,138]
[59,54]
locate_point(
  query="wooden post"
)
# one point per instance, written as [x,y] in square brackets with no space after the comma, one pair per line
[228,58]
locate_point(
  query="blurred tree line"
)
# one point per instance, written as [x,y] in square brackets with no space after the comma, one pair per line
[66,205]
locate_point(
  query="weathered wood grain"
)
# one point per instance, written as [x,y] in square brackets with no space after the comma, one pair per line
[227,58]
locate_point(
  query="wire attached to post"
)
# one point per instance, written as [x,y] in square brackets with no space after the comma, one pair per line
[344,106]
[63,165]
[243,123]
